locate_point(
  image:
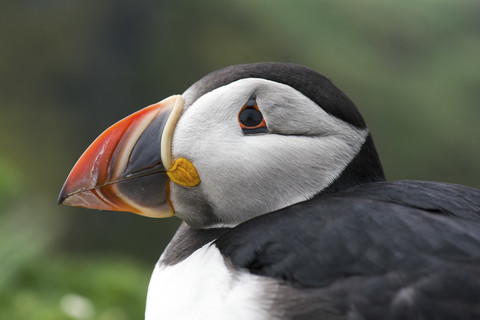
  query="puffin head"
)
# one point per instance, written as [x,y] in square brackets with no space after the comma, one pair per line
[241,142]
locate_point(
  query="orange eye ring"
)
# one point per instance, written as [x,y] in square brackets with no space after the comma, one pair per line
[251,119]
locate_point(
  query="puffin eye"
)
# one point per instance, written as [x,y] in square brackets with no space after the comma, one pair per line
[251,119]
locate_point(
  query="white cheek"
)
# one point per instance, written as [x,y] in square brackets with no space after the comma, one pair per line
[272,172]
[244,176]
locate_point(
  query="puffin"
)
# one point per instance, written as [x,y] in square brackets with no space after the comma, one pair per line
[286,210]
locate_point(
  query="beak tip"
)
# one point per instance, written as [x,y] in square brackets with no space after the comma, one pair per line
[62,196]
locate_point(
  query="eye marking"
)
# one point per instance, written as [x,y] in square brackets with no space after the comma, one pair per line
[251,119]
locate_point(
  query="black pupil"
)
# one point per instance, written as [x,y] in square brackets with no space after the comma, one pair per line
[250,117]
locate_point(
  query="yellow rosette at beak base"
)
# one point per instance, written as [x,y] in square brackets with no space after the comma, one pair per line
[184,173]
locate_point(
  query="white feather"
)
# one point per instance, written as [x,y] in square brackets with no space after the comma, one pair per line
[203,287]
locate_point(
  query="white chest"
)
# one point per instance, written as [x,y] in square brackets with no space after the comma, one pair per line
[203,287]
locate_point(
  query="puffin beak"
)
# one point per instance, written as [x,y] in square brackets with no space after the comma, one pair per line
[127,168]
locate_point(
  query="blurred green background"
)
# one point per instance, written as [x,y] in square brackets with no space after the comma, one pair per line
[69,69]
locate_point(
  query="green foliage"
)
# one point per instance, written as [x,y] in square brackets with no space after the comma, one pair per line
[54,287]
[11,181]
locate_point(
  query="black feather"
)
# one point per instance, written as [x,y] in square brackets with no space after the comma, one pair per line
[386,250]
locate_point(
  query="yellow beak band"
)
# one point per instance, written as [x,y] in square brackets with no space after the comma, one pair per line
[183,172]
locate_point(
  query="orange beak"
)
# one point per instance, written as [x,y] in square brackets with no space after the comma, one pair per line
[124,169]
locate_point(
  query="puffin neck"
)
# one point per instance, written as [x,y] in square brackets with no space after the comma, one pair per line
[364,168]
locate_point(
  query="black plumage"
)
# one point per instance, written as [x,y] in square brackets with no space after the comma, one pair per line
[385,250]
